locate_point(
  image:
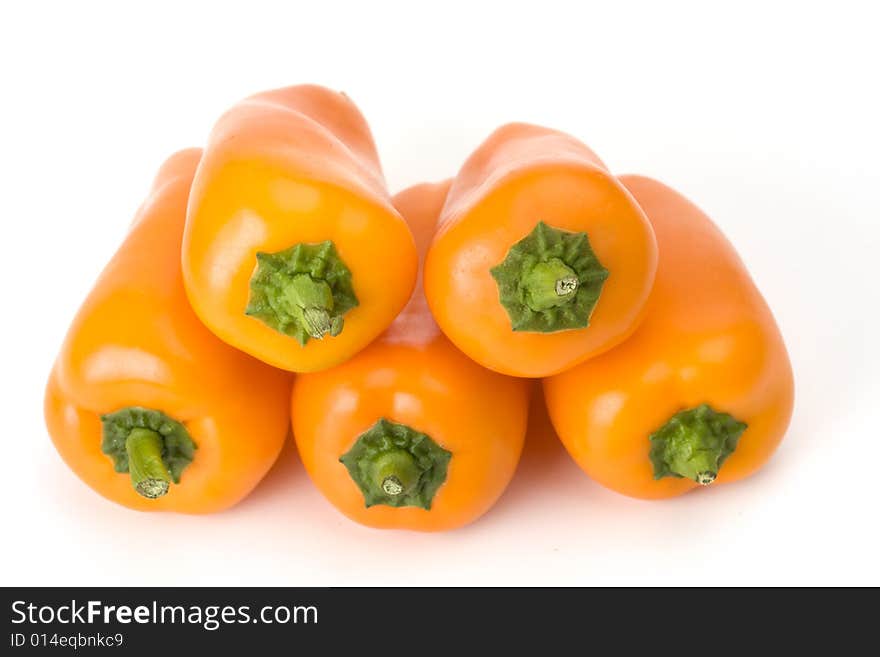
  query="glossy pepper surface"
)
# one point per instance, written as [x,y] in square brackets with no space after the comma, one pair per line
[144,404]
[293,251]
[702,393]
[410,433]
[541,258]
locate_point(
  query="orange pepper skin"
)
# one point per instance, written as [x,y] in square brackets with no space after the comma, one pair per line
[290,166]
[136,342]
[520,175]
[413,375]
[708,337]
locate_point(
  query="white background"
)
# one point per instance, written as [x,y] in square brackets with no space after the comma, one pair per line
[766,114]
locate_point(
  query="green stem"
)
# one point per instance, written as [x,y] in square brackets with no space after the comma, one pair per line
[312,302]
[549,284]
[550,281]
[694,443]
[149,476]
[303,291]
[395,465]
[395,472]
[151,446]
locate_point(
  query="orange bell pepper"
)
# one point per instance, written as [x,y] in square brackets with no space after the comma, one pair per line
[142,387]
[702,392]
[293,251]
[410,433]
[541,257]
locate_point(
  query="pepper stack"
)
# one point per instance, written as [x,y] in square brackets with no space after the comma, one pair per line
[271,280]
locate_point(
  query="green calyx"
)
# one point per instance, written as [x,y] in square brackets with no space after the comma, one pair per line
[152,447]
[550,281]
[694,443]
[395,465]
[303,291]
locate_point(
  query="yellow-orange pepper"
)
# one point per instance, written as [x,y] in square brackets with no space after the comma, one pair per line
[410,433]
[541,257]
[144,404]
[702,392]
[293,251]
